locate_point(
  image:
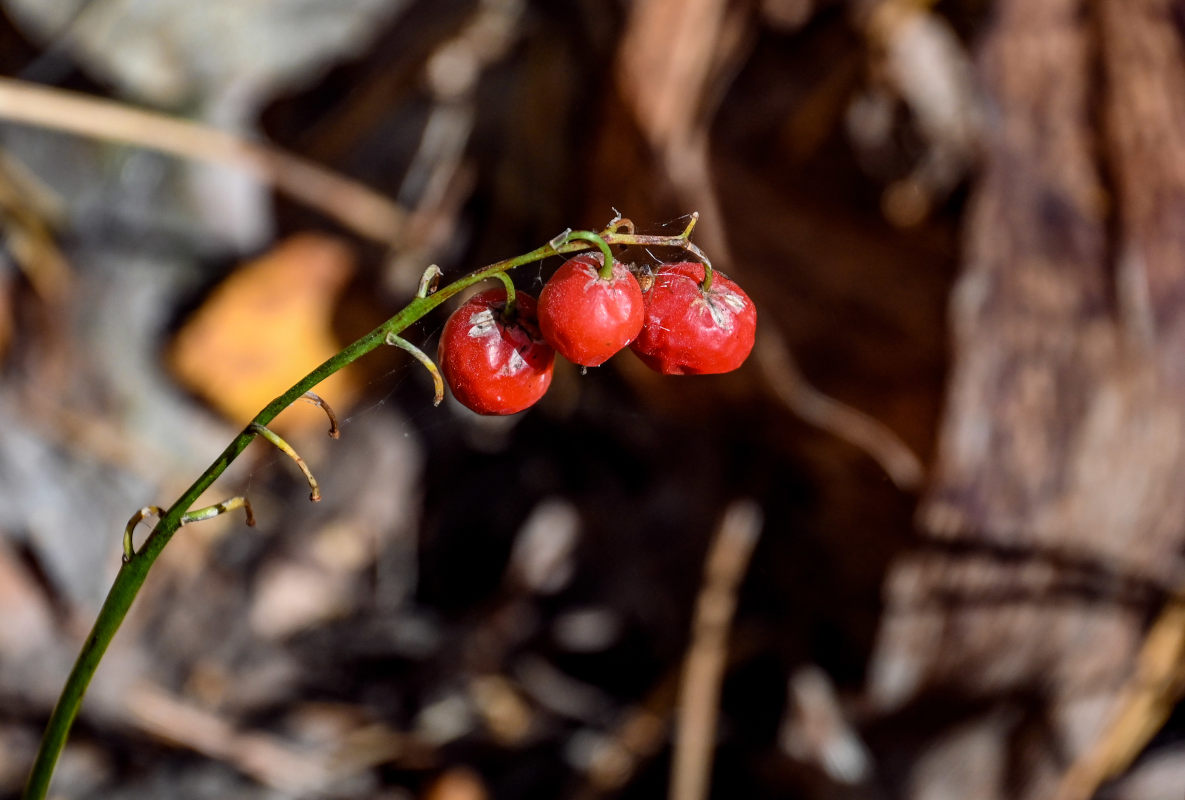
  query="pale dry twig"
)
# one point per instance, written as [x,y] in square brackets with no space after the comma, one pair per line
[699,693]
[360,208]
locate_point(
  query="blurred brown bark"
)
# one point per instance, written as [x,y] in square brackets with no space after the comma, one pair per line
[1055,503]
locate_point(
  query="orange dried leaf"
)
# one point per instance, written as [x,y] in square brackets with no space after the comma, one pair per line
[264,328]
[457,783]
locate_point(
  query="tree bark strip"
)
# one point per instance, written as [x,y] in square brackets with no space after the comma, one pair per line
[1055,508]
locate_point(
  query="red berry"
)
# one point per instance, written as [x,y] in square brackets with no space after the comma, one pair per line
[491,365]
[586,318]
[690,331]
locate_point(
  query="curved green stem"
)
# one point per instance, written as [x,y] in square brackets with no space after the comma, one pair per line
[288,450]
[428,363]
[508,310]
[429,281]
[209,512]
[134,569]
[129,549]
[606,271]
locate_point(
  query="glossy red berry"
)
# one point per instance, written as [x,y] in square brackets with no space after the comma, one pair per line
[587,318]
[690,331]
[492,365]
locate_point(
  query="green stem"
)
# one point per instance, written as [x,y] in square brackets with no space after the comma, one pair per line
[422,357]
[209,512]
[129,549]
[134,570]
[508,309]
[606,271]
[288,450]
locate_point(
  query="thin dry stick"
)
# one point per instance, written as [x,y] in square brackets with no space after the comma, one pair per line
[1144,704]
[364,210]
[901,464]
[266,758]
[291,768]
[699,694]
[28,210]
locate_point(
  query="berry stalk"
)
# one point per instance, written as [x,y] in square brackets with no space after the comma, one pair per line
[137,563]
[508,285]
[606,271]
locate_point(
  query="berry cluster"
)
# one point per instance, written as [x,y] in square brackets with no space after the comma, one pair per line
[497,354]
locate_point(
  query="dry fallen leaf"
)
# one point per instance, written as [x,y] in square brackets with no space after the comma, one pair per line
[263,328]
[457,783]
